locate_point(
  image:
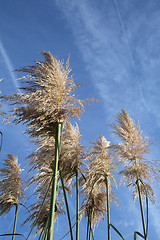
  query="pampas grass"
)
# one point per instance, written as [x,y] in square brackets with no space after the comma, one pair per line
[11,187]
[100,179]
[139,172]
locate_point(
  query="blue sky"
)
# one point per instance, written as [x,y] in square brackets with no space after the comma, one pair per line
[114,50]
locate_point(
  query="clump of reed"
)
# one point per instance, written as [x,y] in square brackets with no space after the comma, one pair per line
[47,101]
[46,106]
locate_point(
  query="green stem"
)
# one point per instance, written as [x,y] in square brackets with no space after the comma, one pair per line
[91,220]
[108,210]
[87,228]
[142,213]
[67,207]
[77,206]
[54,186]
[15,221]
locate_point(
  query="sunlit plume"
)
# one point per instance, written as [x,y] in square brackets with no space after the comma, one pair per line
[132,152]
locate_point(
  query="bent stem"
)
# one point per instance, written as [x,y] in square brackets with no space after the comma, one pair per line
[108,211]
[142,212]
[77,206]
[54,185]
[15,221]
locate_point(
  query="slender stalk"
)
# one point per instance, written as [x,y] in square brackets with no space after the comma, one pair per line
[87,228]
[54,185]
[108,210]
[142,212]
[67,207]
[77,206]
[91,220]
[15,221]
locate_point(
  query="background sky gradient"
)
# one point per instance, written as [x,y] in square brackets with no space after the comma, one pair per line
[114,50]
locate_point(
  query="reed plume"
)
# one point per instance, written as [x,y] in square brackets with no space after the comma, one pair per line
[100,180]
[102,162]
[11,190]
[48,96]
[11,187]
[70,158]
[132,152]
[72,152]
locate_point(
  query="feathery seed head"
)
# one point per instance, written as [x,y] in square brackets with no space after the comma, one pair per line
[72,152]
[132,152]
[70,159]
[134,146]
[102,161]
[48,96]
[10,184]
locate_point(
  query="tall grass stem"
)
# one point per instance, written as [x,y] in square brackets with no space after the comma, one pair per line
[54,186]
[87,228]
[108,210]
[77,206]
[142,212]
[15,221]
[91,220]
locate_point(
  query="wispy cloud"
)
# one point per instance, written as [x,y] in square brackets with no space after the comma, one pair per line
[8,63]
[123,65]
[99,36]
[121,57]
